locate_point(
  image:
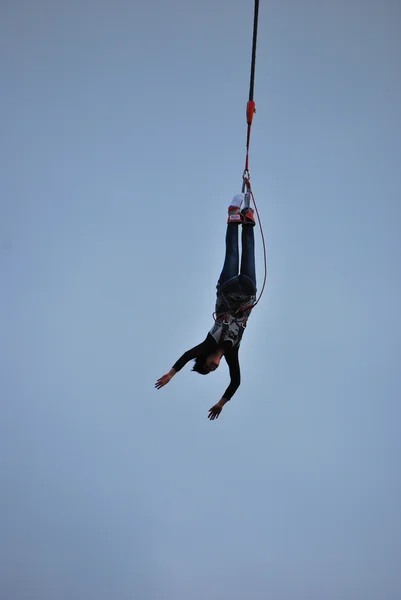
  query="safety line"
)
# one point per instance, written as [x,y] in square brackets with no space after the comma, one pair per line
[250,111]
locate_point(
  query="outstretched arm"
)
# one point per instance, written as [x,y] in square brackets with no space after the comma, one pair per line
[204,348]
[235,381]
[232,360]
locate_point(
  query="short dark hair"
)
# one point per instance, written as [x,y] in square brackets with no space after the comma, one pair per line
[200,365]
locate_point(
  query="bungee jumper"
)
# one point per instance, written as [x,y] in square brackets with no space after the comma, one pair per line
[236,286]
[236,296]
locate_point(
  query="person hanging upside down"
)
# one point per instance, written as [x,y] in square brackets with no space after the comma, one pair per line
[236,295]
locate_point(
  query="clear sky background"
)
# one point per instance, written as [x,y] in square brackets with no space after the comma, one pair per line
[122,142]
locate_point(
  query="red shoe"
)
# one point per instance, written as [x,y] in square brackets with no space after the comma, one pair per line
[248,216]
[234,215]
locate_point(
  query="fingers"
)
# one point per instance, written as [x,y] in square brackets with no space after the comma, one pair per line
[214,413]
[162,381]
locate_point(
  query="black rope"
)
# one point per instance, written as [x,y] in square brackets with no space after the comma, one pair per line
[250,109]
[255,37]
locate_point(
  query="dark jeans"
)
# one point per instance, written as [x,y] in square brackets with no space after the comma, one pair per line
[229,275]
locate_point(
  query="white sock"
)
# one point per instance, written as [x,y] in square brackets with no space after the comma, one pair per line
[237,200]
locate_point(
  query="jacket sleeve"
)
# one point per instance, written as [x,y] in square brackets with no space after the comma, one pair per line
[235,373]
[205,347]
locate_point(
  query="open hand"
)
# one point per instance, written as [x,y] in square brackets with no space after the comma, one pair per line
[163,381]
[215,411]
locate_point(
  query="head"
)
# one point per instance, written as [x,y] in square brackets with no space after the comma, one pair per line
[206,364]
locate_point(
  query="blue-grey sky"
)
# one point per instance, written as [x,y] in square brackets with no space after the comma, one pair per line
[123,132]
